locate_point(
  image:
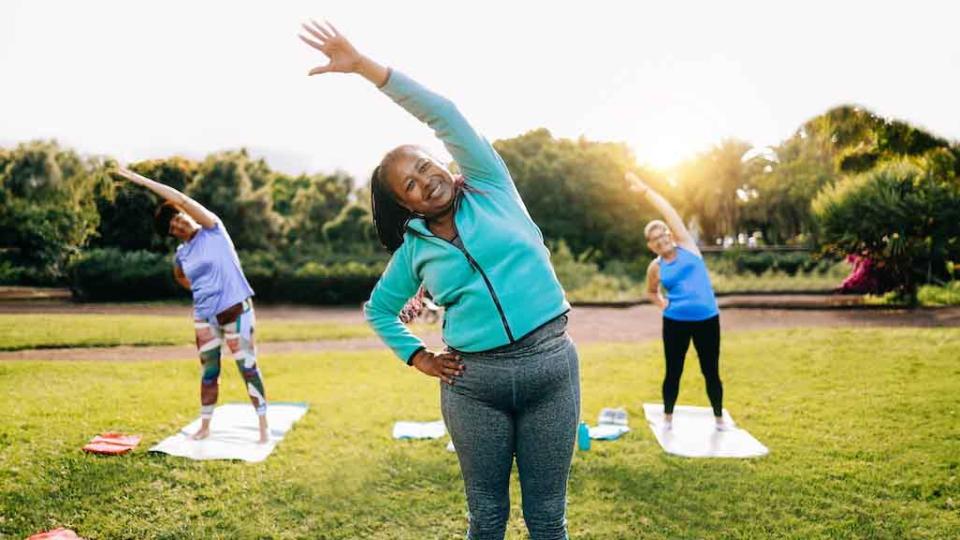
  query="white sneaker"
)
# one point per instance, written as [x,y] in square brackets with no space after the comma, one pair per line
[725,426]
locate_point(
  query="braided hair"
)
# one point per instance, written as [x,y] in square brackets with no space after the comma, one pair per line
[389,218]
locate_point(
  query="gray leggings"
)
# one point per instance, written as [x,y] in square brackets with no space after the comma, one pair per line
[521,400]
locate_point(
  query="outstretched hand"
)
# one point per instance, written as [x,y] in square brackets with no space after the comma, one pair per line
[636,184]
[343,57]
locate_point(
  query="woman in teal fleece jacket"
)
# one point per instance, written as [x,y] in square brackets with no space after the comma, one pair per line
[509,377]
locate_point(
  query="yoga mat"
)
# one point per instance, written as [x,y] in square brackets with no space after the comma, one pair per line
[419,430]
[234,433]
[694,435]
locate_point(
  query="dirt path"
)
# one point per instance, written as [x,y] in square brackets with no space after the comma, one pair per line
[587,325]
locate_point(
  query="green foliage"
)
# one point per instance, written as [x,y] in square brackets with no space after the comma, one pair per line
[352,229]
[575,192]
[707,188]
[309,203]
[225,185]
[54,204]
[126,210]
[934,295]
[47,209]
[112,274]
[903,214]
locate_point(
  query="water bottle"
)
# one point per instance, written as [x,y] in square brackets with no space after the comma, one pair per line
[583,437]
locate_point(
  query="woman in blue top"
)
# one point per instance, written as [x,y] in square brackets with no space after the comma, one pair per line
[690,308]
[207,264]
[509,377]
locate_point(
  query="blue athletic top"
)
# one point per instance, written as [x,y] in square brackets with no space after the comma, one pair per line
[688,287]
[210,263]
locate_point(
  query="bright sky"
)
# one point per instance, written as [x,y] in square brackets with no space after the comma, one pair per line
[137,80]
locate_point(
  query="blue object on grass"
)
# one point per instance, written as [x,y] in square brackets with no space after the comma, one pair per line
[583,436]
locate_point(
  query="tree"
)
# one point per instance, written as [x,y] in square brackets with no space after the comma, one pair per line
[126,210]
[352,230]
[309,202]
[223,184]
[575,191]
[47,209]
[708,185]
[903,215]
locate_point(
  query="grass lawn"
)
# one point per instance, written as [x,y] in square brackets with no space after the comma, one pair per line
[44,331]
[863,427]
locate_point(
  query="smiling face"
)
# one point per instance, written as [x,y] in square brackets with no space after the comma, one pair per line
[659,239]
[420,183]
[182,227]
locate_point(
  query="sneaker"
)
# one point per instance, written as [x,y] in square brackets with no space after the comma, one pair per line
[725,426]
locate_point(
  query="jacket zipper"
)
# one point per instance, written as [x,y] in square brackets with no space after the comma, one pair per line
[486,280]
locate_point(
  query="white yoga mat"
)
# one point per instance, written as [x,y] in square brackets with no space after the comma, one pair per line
[419,430]
[694,435]
[234,433]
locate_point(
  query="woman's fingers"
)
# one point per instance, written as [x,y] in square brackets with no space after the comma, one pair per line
[319,36]
[316,45]
[333,28]
[321,69]
[453,366]
[327,34]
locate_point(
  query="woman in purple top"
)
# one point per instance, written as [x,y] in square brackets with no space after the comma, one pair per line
[690,309]
[207,264]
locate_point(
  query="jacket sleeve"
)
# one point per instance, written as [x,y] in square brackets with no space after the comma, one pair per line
[477,158]
[397,285]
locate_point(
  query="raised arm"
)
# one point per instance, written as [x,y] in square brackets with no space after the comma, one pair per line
[201,215]
[476,157]
[680,233]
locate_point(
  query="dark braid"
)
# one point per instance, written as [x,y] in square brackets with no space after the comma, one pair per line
[389,218]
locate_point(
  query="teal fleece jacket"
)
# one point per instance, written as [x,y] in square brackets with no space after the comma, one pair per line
[501,285]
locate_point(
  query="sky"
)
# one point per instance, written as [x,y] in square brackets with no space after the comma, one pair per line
[140,80]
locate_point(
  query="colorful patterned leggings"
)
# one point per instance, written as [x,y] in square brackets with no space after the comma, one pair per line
[239,338]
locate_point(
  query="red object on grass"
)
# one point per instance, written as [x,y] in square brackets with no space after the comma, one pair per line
[57,534]
[112,444]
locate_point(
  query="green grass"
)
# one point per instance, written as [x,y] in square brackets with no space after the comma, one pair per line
[863,427]
[44,331]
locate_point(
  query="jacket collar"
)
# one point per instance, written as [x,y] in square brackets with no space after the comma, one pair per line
[418,225]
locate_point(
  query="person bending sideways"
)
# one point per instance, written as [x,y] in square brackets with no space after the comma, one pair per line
[690,309]
[207,264]
[509,382]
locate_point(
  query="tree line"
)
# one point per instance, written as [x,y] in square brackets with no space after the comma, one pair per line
[846,183]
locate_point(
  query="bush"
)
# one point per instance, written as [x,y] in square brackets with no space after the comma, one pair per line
[947,295]
[111,274]
[903,215]
[573,272]
[114,275]
[315,283]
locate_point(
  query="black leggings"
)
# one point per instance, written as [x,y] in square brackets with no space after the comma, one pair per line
[676,341]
